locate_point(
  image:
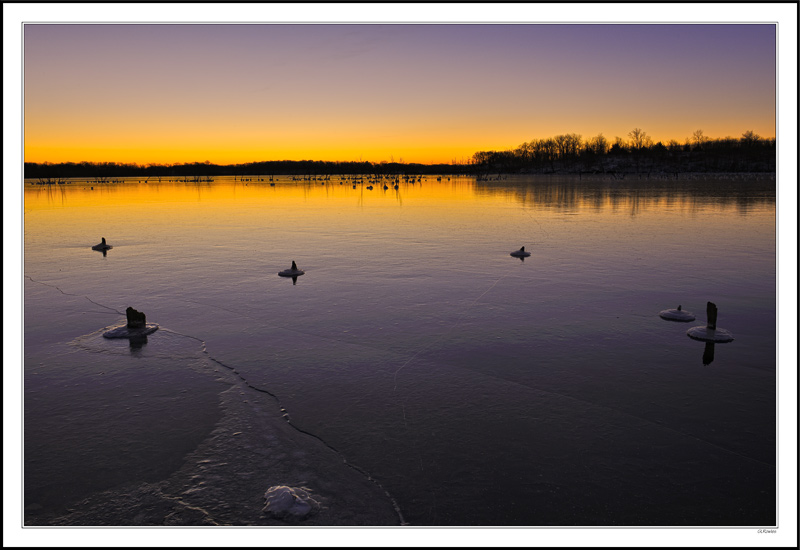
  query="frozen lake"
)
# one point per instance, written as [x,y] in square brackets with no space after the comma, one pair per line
[416,373]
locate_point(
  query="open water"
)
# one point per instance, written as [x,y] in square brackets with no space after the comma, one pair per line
[416,374]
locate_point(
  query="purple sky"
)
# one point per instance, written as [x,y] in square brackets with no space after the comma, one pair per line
[425,93]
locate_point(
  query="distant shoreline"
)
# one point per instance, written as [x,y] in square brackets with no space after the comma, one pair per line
[310,170]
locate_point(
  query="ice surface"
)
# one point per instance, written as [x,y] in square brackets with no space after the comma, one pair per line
[381,354]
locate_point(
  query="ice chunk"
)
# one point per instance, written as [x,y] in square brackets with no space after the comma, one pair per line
[290,502]
[293,271]
[128,332]
[677,315]
[708,334]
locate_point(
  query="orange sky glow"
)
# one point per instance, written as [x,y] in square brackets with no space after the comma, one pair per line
[421,93]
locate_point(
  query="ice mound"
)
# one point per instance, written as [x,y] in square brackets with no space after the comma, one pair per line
[136,328]
[289,502]
[293,271]
[710,332]
[707,334]
[131,332]
[102,246]
[676,315]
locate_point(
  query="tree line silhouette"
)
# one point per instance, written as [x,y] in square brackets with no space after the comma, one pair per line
[569,153]
[47,172]
[565,153]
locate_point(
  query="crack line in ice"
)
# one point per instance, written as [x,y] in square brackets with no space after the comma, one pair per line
[204,350]
[77,295]
[448,331]
[286,417]
[237,313]
[536,220]
[190,507]
[312,334]
[334,339]
[647,420]
[248,384]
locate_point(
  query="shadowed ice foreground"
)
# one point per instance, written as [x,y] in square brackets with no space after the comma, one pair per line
[419,375]
[164,435]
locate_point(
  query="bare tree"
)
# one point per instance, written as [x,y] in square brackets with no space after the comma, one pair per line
[573,144]
[619,146]
[750,138]
[561,145]
[698,138]
[639,139]
[548,151]
[598,144]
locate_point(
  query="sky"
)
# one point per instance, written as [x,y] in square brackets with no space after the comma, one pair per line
[427,93]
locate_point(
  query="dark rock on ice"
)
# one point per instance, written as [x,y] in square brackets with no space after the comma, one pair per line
[136,319]
[135,329]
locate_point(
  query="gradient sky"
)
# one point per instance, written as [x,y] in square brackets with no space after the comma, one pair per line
[231,93]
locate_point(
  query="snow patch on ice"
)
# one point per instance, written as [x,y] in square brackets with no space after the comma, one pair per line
[705,334]
[126,332]
[676,315]
[290,502]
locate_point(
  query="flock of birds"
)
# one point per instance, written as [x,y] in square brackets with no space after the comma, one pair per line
[353,180]
[385,181]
